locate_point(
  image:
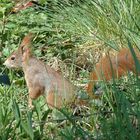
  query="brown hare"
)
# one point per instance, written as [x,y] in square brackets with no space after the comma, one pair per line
[112,66]
[40,78]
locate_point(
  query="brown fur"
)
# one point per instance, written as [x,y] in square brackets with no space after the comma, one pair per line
[109,66]
[40,78]
[21,5]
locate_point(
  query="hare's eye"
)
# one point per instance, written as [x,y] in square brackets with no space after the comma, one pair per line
[12,58]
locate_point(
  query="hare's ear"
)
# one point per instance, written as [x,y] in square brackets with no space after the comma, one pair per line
[26,43]
[24,49]
[27,40]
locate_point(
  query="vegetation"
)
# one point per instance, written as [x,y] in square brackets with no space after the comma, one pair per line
[68,31]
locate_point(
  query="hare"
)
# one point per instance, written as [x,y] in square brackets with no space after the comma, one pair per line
[112,66]
[40,78]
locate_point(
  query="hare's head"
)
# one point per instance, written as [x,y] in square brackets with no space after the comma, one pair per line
[16,59]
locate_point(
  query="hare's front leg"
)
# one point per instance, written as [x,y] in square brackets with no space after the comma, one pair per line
[30,104]
[34,93]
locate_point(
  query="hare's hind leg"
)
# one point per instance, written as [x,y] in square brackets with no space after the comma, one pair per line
[54,100]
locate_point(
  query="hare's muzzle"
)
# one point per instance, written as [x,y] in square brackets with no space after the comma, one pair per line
[7,64]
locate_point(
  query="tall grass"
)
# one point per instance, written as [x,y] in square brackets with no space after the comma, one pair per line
[112,23]
[106,20]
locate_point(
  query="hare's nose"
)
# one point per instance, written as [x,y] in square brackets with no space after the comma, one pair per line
[5,63]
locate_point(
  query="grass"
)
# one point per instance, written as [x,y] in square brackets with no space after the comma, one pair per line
[60,31]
